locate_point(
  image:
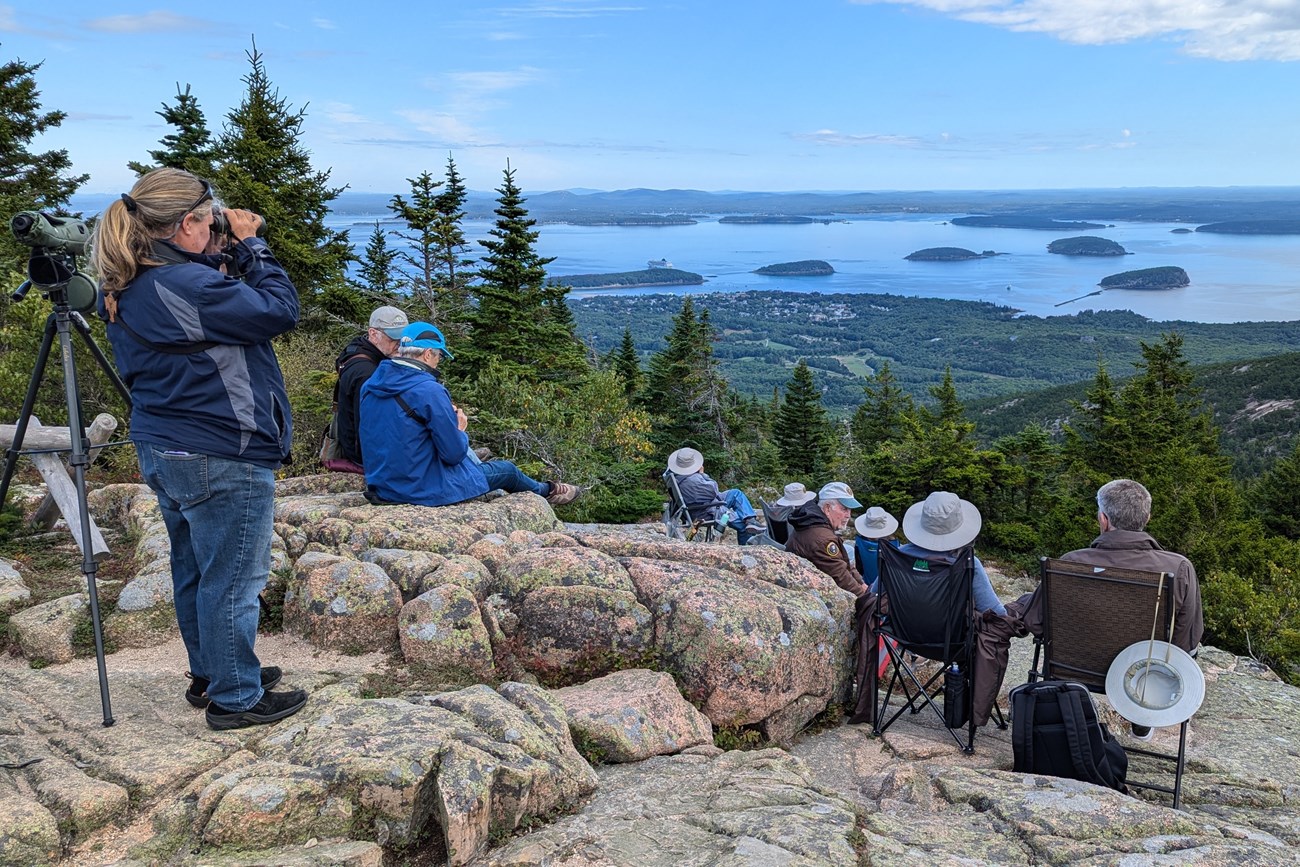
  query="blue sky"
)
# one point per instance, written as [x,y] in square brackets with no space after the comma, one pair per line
[714,94]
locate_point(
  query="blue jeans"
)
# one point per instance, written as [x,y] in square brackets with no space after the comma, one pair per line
[505,476]
[219,516]
[741,510]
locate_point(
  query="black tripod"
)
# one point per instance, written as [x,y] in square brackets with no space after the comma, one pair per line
[61,322]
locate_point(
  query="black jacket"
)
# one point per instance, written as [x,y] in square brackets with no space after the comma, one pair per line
[355,364]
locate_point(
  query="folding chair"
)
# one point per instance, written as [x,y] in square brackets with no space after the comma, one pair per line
[678,521]
[927,609]
[1090,614]
[775,517]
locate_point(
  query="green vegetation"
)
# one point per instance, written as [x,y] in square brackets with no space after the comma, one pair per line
[768,219]
[946,254]
[1252,227]
[1165,277]
[1022,221]
[1086,245]
[644,277]
[638,220]
[802,268]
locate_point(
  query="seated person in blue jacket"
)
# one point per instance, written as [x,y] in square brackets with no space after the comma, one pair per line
[940,525]
[414,438]
[705,502]
[874,526]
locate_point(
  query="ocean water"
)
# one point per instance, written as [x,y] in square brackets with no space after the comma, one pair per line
[1234,278]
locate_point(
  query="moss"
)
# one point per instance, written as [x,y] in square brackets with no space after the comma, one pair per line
[588,748]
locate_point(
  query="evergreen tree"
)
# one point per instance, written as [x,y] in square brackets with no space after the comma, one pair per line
[801,430]
[29,180]
[190,147]
[419,265]
[375,275]
[1275,496]
[453,263]
[627,364]
[880,417]
[518,320]
[262,166]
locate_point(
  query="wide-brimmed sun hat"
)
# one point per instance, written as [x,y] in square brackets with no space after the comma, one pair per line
[685,461]
[875,523]
[795,495]
[1155,683]
[838,491]
[942,522]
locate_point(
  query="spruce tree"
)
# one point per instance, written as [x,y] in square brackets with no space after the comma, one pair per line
[418,266]
[627,364]
[880,416]
[190,147]
[262,166]
[1275,496]
[516,321]
[801,430]
[375,274]
[454,265]
[29,180]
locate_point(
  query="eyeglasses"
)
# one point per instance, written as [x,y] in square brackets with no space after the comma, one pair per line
[207,194]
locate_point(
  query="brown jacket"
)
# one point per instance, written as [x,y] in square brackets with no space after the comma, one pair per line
[1134,549]
[812,538]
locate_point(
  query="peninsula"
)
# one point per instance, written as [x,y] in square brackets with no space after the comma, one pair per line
[1086,245]
[782,219]
[623,279]
[802,268]
[634,220]
[948,254]
[1022,221]
[1252,227]
[1166,277]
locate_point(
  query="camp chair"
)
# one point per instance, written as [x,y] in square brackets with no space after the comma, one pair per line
[927,609]
[775,517]
[1090,614]
[678,521]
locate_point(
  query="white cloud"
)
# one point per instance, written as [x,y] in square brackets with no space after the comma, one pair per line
[844,139]
[566,9]
[158,21]
[491,81]
[324,24]
[1215,29]
[445,128]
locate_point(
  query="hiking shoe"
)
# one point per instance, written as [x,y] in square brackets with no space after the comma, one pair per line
[273,706]
[562,493]
[1142,733]
[197,694]
[483,453]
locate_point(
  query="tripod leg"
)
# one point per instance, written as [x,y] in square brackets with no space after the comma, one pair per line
[79,460]
[84,330]
[29,402]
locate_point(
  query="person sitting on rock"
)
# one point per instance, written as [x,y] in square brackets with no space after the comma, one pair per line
[355,364]
[814,535]
[414,438]
[706,502]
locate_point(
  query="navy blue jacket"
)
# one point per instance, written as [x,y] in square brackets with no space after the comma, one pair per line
[229,400]
[425,461]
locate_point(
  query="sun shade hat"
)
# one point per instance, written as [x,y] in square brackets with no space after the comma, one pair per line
[795,495]
[942,522]
[389,320]
[1154,683]
[875,523]
[685,461]
[838,491]
[423,335]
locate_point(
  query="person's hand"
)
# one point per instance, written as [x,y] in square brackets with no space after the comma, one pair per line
[461,421]
[243,224]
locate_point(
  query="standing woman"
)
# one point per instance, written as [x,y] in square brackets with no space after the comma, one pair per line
[210,418]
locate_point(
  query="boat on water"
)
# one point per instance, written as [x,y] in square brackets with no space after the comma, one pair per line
[659,263]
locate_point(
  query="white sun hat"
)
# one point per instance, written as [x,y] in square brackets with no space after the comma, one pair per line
[1154,683]
[795,495]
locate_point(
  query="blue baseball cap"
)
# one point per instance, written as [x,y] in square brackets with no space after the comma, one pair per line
[424,335]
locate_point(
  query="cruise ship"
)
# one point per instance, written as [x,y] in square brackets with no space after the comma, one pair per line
[659,263]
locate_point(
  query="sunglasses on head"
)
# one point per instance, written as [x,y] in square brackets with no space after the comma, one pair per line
[207,194]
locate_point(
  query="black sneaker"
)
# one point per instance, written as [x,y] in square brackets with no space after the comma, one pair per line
[197,694]
[273,706]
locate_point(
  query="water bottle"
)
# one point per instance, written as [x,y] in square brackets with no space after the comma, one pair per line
[955,711]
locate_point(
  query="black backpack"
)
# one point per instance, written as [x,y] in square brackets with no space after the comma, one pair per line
[1054,731]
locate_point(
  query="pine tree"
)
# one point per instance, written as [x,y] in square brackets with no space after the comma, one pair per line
[419,265]
[1275,496]
[880,417]
[29,181]
[517,320]
[262,166]
[375,275]
[801,430]
[454,264]
[627,364]
[190,147]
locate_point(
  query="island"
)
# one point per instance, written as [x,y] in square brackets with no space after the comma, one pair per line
[635,220]
[623,279]
[1020,221]
[802,268]
[1253,227]
[1166,277]
[1180,231]
[947,254]
[1086,245]
[768,218]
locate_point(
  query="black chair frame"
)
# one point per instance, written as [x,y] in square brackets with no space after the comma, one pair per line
[1082,650]
[940,632]
[777,529]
